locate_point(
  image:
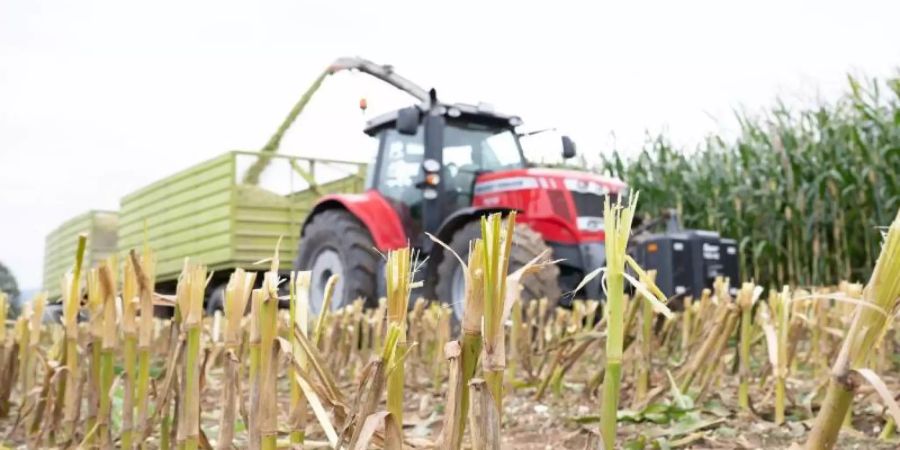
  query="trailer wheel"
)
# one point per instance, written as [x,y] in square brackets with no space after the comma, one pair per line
[527,244]
[336,242]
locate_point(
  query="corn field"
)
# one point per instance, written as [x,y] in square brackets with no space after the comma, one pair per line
[805,192]
[767,368]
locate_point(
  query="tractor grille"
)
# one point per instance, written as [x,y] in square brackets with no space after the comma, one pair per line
[588,205]
[559,204]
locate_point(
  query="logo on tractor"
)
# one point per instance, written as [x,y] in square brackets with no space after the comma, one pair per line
[508,184]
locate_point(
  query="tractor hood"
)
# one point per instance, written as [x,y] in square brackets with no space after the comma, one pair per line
[564,206]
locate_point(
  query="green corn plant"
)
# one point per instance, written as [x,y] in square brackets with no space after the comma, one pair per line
[821,178]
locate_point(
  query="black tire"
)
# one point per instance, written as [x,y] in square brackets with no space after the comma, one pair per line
[527,244]
[338,231]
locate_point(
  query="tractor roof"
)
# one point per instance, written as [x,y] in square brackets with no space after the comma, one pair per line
[482,113]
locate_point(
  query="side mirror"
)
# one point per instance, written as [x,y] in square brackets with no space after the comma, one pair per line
[408,121]
[568,147]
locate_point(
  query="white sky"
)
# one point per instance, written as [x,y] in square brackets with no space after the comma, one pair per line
[98,99]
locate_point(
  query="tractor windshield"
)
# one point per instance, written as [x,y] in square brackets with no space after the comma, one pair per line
[475,148]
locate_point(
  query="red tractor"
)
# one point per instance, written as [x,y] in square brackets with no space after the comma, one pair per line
[440,167]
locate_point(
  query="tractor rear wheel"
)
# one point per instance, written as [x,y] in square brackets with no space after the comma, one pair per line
[337,243]
[527,245]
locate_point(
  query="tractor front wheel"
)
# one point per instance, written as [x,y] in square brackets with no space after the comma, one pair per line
[527,245]
[337,243]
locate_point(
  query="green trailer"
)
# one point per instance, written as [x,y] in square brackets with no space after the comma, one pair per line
[209,214]
[59,248]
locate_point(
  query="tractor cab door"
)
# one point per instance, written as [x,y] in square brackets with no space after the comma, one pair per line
[397,176]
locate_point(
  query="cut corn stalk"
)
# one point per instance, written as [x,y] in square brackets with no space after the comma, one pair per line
[646,361]
[145,273]
[130,300]
[237,294]
[866,331]
[191,288]
[109,342]
[497,246]
[71,307]
[746,298]
[399,273]
[299,317]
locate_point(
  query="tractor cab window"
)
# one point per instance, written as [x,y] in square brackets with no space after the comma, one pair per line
[470,149]
[402,157]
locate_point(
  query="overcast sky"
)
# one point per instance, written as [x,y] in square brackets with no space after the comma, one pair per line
[98,99]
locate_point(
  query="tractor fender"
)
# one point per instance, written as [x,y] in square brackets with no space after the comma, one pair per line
[370,208]
[462,216]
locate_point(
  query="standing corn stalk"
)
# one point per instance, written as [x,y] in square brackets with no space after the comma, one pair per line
[71,306]
[191,287]
[869,325]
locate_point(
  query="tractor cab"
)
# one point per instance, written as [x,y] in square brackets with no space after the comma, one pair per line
[429,159]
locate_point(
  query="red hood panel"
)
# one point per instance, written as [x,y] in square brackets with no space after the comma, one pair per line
[564,206]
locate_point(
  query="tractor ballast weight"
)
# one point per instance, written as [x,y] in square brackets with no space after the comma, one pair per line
[687,261]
